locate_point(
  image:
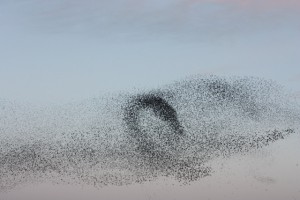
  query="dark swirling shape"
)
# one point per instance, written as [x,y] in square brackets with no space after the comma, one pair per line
[164,111]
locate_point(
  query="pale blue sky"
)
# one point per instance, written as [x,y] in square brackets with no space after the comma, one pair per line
[58,51]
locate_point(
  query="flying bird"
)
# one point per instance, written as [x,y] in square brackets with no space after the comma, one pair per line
[173,130]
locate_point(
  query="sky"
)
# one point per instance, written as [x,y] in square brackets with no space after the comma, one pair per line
[65,50]
[57,51]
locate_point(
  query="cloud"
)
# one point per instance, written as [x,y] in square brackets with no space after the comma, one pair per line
[168,17]
[265,5]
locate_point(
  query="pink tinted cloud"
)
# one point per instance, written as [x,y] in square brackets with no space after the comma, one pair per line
[264,4]
[179,11]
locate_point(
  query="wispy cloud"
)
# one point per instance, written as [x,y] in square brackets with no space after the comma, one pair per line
[141,17]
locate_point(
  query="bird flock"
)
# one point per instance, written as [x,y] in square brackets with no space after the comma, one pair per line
[132,137]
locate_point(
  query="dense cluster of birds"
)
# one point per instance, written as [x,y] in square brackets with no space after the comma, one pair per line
[172,131]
